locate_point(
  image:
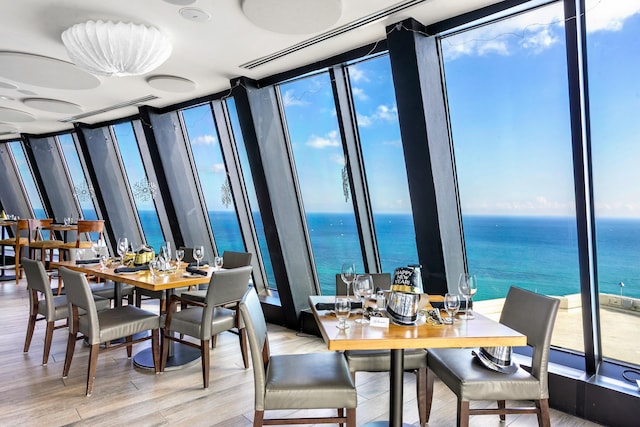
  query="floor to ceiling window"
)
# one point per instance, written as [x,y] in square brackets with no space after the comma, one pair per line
[613,43]
[507,93]
[251,192]
[212,174]
[82,190]
[27,179]
[320,166]
[142,188]
[377,119]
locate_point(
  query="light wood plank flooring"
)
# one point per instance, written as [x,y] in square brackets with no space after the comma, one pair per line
[35,395]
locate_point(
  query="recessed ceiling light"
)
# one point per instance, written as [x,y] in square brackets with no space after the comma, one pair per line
[194,14]
[181,2]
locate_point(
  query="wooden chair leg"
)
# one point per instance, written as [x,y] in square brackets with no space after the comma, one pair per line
[463,413]
[71,345]
[242,335]
[421,394]
[165,350]
[351,417]
[501,406]
[544,418]
[48,337]
[93,362]
[155,349]
[30,328]
[258,418]
[214,341]
[129,341]
[430,376]
[204,353]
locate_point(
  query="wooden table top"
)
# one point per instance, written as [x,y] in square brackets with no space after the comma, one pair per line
[141,279]
[479,332]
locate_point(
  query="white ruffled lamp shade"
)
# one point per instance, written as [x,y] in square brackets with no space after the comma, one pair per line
[116,49]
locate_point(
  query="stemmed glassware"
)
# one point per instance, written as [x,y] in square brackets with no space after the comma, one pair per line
[123,246]
[217,262]
[198,254]
[363,289]
[467,286]
[343,310]
[347,274]
[451,305]
[179,256]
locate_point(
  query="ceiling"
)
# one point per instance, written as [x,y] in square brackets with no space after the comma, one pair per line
[213,41]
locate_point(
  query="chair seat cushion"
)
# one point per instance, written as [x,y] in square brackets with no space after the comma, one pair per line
[72,245]
[380,360]
[313,381]
[12,242]
[189,321]
[45,244]
[119,322]
[470,380]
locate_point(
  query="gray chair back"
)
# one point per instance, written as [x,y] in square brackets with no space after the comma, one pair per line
[533,315]
[225,287]
[235,259]
[79,295]
[380,280]
[38,280]
[256,326]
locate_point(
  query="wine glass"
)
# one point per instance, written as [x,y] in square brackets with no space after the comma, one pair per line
[343,310]
[198,254]
[467,286]
[217,262]
[179,256]
[451,305]
[95,248]
[362,289]
[166,251]
[123,246]
[347,274]
[104,258]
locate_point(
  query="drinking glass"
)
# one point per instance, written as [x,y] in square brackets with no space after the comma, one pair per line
[347,274]
[343,310]
[179,256]
[103,261]
[451,305]
[217,262]
[467,286]
[198,254]
[123,246]
[363,289]
[95,249]
[167,251]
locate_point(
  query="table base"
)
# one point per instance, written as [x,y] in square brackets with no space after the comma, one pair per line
[183,356]
[384,424]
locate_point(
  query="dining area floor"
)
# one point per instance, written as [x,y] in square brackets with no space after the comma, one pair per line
[36,395]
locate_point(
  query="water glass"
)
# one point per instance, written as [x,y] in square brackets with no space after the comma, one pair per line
[104,259]
[451,306]
[363,289]
[467,286]
[347,274]
[179,256]
[342,310]
[198,254]
[217,262]
[123,246]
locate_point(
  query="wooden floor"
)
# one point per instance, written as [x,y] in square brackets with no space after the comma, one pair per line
[35,395]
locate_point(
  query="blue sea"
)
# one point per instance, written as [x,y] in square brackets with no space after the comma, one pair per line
[536,253]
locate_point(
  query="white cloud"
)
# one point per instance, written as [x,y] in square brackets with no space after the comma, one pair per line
[363,121]
[205,140]
[357,75]
[218,168]
[290,100]
[394,143]
[360,94]
[383,113]
[338,159]
[609,15]
[329,140]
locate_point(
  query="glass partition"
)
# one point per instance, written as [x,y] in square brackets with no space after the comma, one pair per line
[82,189]
[27,179]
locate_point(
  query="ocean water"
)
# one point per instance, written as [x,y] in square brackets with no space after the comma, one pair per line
[535,253]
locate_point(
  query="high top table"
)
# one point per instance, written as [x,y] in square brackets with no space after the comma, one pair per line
[479,332]
[179,355]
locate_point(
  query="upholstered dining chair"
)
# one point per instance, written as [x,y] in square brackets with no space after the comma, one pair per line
[104,326]
[17,242]
[37,242]
[43,303]
[530,314]
[415,360]
[230,259]
[295,381]
[211,317]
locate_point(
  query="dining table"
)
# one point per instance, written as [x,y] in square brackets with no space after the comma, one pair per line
[478,332]
[179,355]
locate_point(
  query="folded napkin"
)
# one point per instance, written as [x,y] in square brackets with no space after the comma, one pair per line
[194,270]
[87,261]
[202,263]
[130,269]
[332,306]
